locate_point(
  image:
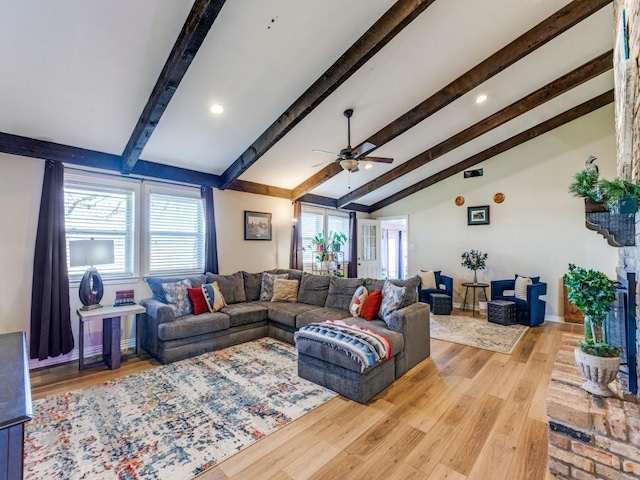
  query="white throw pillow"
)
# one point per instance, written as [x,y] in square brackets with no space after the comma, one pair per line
[357,301]
[521,287]
[427,280]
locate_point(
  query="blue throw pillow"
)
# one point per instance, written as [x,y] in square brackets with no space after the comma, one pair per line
[177,297]
[392,298]
[155,284]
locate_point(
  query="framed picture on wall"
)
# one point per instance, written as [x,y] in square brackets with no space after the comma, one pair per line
[478,215]
[257,226]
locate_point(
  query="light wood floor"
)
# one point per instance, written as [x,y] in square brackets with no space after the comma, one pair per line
[464,413]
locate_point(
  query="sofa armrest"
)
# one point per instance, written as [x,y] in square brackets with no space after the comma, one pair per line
[499,286]
[535,290]
[413,322]
[161,312]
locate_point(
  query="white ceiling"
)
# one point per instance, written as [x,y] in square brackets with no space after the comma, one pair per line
[79,73]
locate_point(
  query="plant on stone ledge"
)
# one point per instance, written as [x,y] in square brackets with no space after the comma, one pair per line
[594,293]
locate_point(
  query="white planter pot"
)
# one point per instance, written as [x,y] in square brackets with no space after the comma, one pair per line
[599,372]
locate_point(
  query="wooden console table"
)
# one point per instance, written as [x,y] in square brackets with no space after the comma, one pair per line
[15,403]
[110,317]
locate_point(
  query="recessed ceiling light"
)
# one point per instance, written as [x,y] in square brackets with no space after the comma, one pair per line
[217,109]
[481,98]
[368,166]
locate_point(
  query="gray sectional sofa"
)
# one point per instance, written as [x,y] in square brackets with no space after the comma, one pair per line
[169,338]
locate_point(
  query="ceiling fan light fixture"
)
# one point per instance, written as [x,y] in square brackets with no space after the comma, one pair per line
[349,164]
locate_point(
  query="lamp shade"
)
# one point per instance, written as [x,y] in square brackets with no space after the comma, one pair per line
[83,253]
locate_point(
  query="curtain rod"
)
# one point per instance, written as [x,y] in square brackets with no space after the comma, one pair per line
[141,178]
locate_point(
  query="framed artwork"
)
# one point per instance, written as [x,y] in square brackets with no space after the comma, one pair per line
[478,215]
[257,226]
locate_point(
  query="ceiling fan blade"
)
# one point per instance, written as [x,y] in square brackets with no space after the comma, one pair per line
[322,163]
[325,151]
[377,159]
[363,149]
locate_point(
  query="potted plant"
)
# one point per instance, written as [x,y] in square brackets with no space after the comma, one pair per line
[594,293]
[336,241]
[585,185]
[474,260]
[621,196]
[320,242]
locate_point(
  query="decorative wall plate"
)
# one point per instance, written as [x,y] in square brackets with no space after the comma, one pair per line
[459,201]
[498,197]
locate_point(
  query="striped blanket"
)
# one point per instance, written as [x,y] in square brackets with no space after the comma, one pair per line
[363,345]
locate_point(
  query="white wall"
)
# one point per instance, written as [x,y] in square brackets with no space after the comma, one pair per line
[538,229]
[20,190]
[234,252]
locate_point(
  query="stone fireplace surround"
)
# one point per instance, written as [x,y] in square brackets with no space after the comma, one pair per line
[590,437]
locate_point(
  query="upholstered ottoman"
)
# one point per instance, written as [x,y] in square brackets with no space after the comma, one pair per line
[502,312]
[440,304]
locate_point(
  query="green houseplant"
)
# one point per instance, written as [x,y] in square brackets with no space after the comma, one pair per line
[336,241]
[594,293]
[620,196]
[585,184]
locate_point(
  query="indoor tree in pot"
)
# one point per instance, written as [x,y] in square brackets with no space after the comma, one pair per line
[594,293]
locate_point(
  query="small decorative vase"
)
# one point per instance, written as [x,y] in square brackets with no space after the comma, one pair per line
[599,372]
[475,276]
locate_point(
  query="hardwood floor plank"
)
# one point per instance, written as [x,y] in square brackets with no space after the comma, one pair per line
[463,413]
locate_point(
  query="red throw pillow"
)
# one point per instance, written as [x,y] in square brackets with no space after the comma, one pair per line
[371,305]
[198,301]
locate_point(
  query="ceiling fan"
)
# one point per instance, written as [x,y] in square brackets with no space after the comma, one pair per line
[349,158]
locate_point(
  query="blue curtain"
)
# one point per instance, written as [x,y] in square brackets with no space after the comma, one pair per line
[352,272]
[210,243]
[51,333]
[296,238]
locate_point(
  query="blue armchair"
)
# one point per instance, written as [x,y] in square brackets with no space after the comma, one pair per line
[444,286]
[529,312]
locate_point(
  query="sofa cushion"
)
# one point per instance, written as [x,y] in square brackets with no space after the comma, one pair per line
[392,298]
[252,284]
[520,288]
[314,289]
[213,296]
[293,273]
[341,291]
[285,290]
[177,296]
[245,313]
[373,284]
[411,293]
[155,284]
[320,315]
[286,313]
[192,325]
[395,339]
[231,286]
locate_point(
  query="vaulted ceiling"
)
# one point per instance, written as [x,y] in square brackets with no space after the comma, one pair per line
[128,86]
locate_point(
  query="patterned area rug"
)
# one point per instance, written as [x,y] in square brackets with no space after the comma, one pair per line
[476,332]
[171,422]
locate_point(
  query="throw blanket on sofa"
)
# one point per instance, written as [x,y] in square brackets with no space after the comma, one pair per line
[363,345]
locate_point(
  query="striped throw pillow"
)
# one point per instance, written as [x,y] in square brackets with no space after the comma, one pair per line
[521,287]
[213,296]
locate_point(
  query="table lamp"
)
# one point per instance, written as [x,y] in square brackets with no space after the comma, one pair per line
[90,252]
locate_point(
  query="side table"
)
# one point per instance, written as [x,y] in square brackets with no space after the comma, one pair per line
[110,317]
[473,287]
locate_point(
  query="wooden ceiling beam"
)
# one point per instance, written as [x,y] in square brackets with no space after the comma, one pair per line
[195,29]
[571,80]
[31,147]
[544,127]
[401,14]
[547,30]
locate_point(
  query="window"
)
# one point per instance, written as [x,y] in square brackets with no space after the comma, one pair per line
[169,219]
[315,220]
[176,233]
[102,213]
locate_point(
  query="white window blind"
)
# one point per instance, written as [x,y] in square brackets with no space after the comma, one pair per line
[312,223]
[101,214]
[176,234]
